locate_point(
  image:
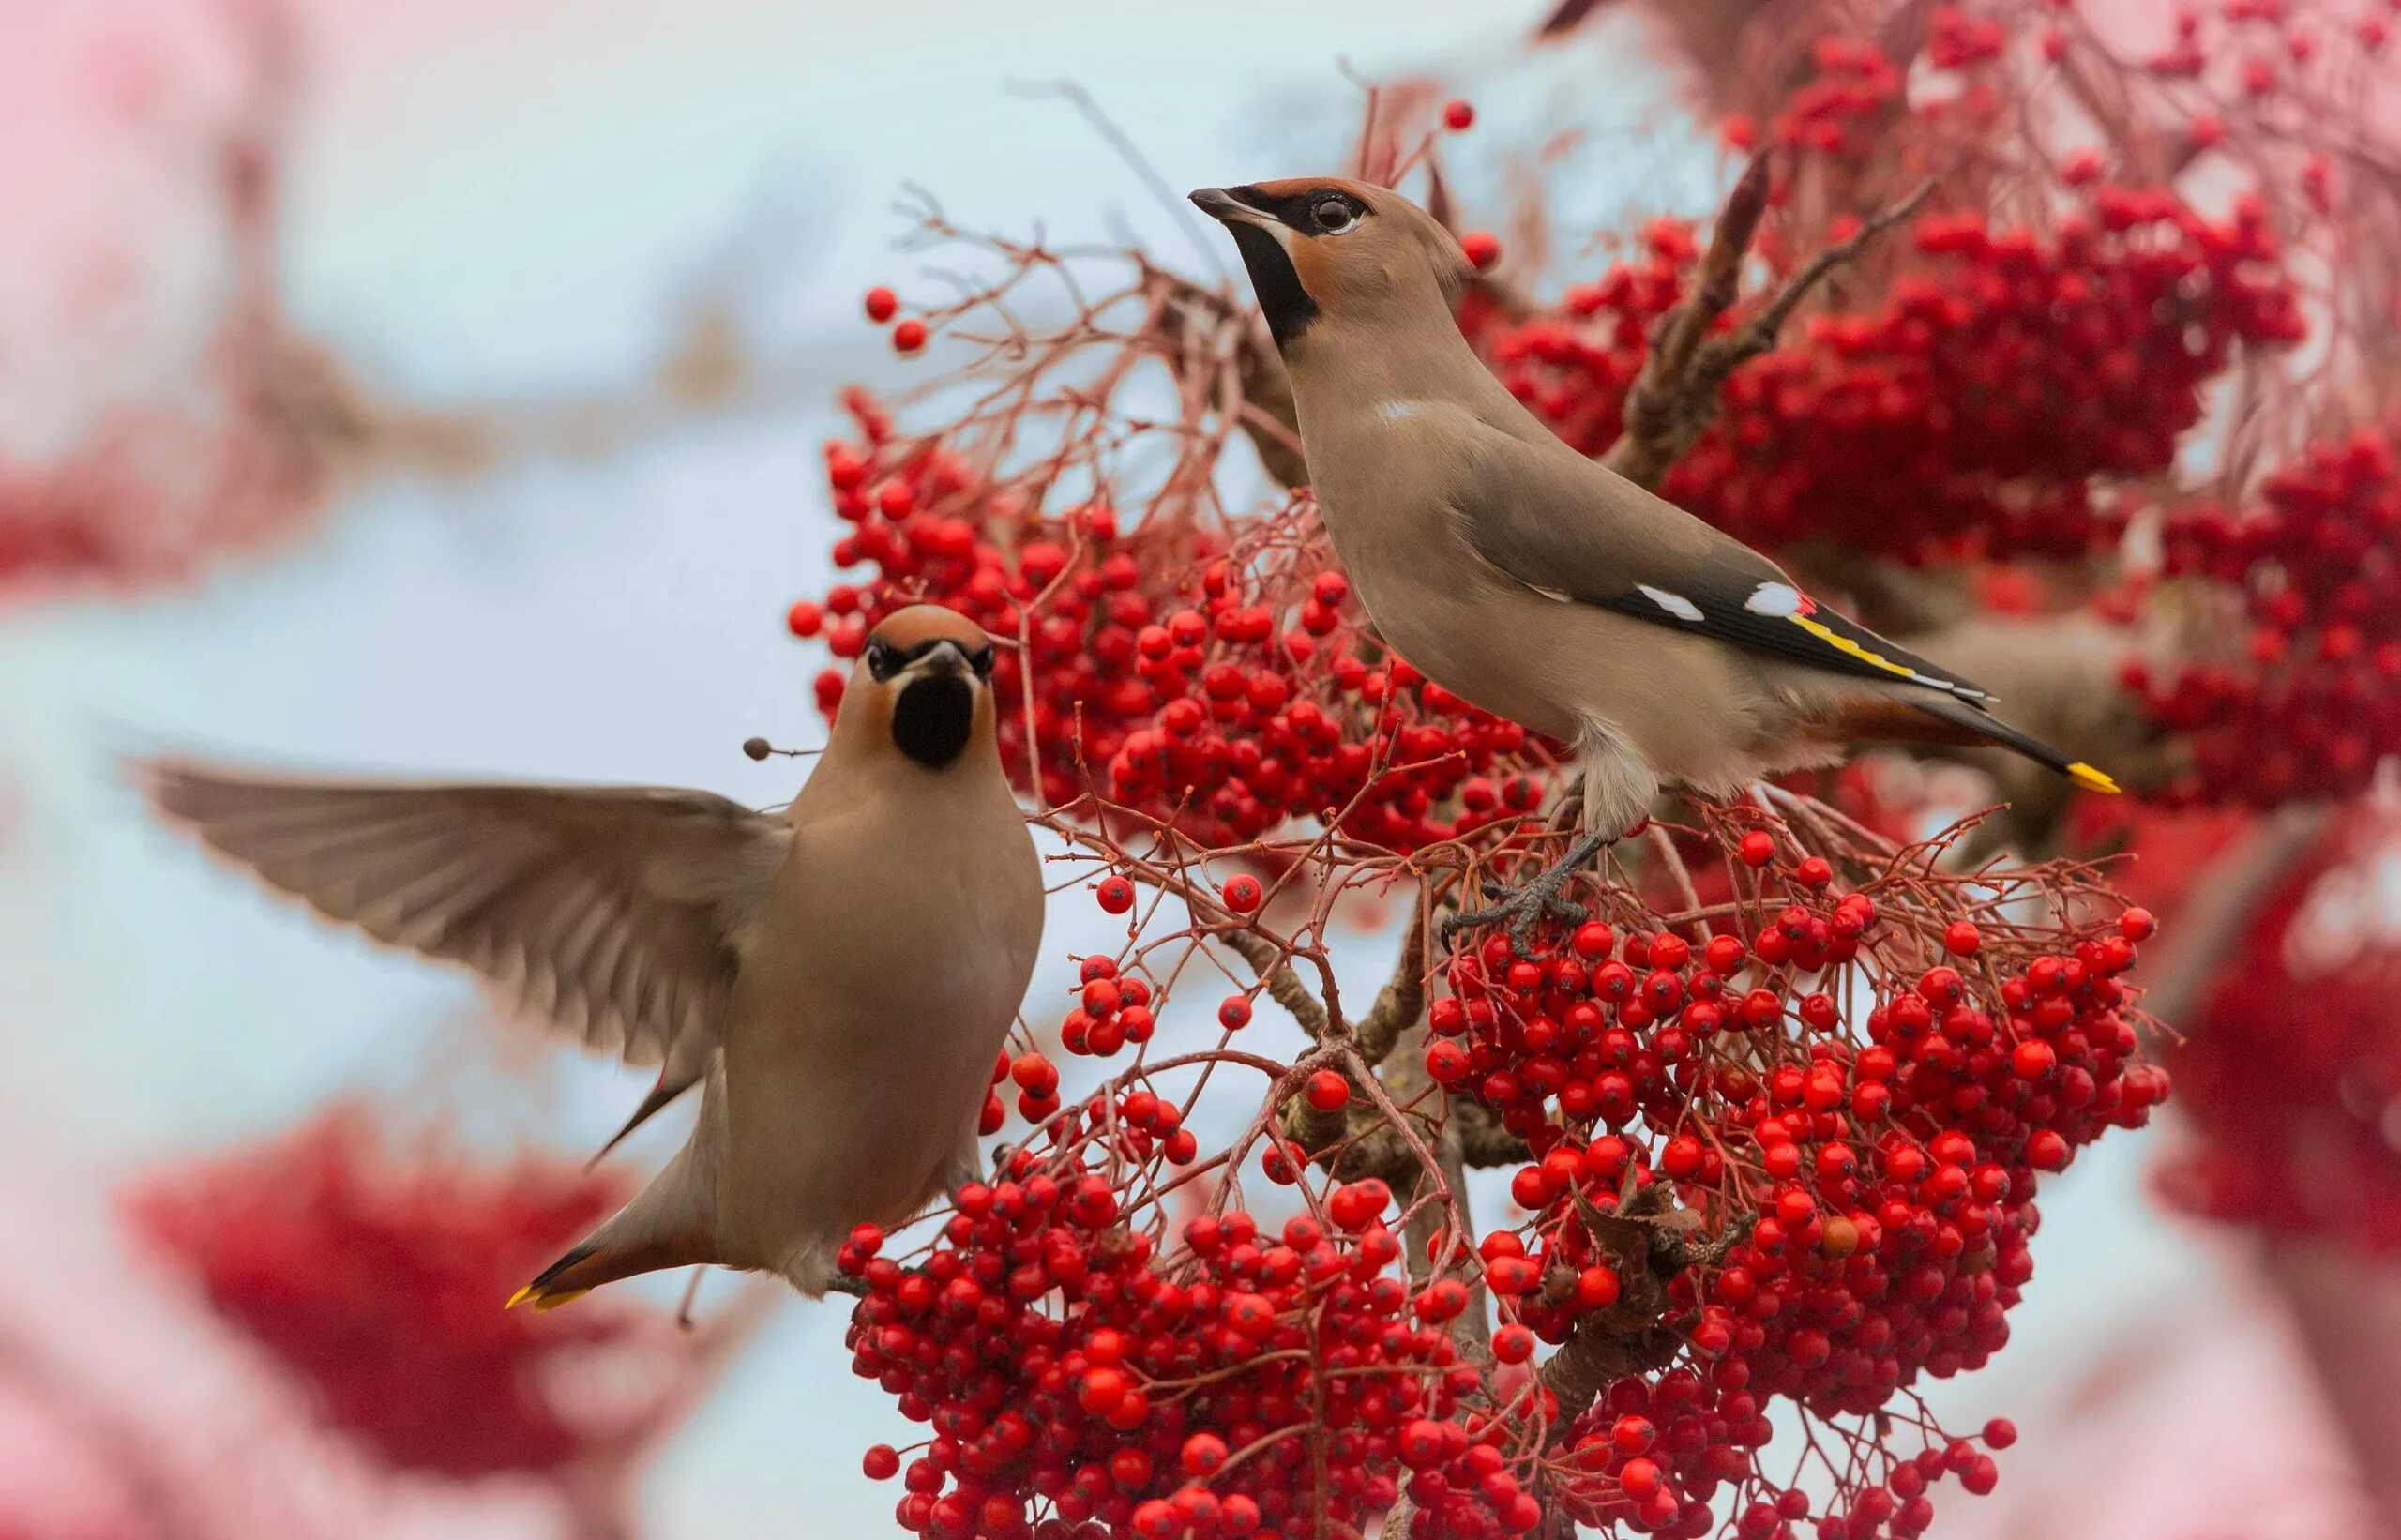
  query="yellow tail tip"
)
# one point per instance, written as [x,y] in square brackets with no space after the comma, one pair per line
[543,1299]
[2091,779]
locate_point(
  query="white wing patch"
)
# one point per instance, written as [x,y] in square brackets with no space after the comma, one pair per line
[1675,604]
[1774,598]
[1396,411]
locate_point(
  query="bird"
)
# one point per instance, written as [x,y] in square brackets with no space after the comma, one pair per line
[1534,582]
[838,980]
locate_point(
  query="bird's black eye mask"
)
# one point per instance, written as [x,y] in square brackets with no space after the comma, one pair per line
[883,659]
[1326,211]
[1321,211]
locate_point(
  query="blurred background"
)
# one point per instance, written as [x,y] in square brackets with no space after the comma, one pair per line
[437,390]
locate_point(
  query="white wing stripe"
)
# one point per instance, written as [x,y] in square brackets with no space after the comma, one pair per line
[1675,604]
[1774,598]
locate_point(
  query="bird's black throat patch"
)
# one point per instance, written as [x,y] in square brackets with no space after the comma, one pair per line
[1287,306]
[933,718]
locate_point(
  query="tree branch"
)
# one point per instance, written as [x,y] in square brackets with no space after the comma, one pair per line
[2209,930]
[1188,313]
[1658,401]
[2347,1310]
[1402,1000]
[1284,986]
[1675,398]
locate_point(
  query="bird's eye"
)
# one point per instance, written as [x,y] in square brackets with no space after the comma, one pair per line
[881,659]
[1333,215]
[981,661]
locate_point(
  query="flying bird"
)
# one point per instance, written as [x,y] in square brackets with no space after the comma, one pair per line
[838,980]
[1536,583]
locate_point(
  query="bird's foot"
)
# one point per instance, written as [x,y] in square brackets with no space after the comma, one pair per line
[1525,905]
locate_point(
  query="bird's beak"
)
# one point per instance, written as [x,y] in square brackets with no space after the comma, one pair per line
[943,660]
[1226,208]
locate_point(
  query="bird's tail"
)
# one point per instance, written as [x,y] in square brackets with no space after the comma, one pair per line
[1979,725]
[599,1261]
[667,1225]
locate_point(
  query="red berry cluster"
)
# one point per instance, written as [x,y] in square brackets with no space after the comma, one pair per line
[2290,1074]
[1258,702]
[379,1281]
[2314,701]
[1078,1383]
[1882,1150]
[1837,111]
[1936,421]
[1649,1444]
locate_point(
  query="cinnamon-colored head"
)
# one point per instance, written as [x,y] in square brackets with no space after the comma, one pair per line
[1321,248]
[923,688]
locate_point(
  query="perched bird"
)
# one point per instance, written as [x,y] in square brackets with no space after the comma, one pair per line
[838,980]
[1537,583]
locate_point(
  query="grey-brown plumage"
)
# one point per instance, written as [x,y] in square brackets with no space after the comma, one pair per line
[1531,580]
[838,978]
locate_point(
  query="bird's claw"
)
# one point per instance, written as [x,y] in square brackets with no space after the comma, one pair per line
[1525,905]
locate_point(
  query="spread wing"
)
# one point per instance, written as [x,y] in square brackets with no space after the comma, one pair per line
[1580,532]
[613,911]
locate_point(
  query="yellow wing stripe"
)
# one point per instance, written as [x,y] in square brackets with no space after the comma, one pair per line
[1836,639]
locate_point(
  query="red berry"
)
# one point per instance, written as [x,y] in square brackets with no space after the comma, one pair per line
[1328,1092]
[1963,940]
[1203,1454]
[909,336]
[1757,848]
[1355,1205]
[1446,1061]
[1483,248]
[1242,893]
[1457,115]
[804,619]
[1115,893]
[1234,1014]
[882,1462]
[882,304]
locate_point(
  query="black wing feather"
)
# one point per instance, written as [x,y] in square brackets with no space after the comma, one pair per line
[1718,600]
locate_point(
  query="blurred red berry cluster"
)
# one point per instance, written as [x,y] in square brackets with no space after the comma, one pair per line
[2311,703]
[1980,407]
[377,1275]
[2292,1079]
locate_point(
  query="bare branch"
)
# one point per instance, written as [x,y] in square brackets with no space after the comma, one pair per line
[1284,986]
[1402,1000]
[1657,400]
[1676,395]
[1760,334]
[2209,930]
